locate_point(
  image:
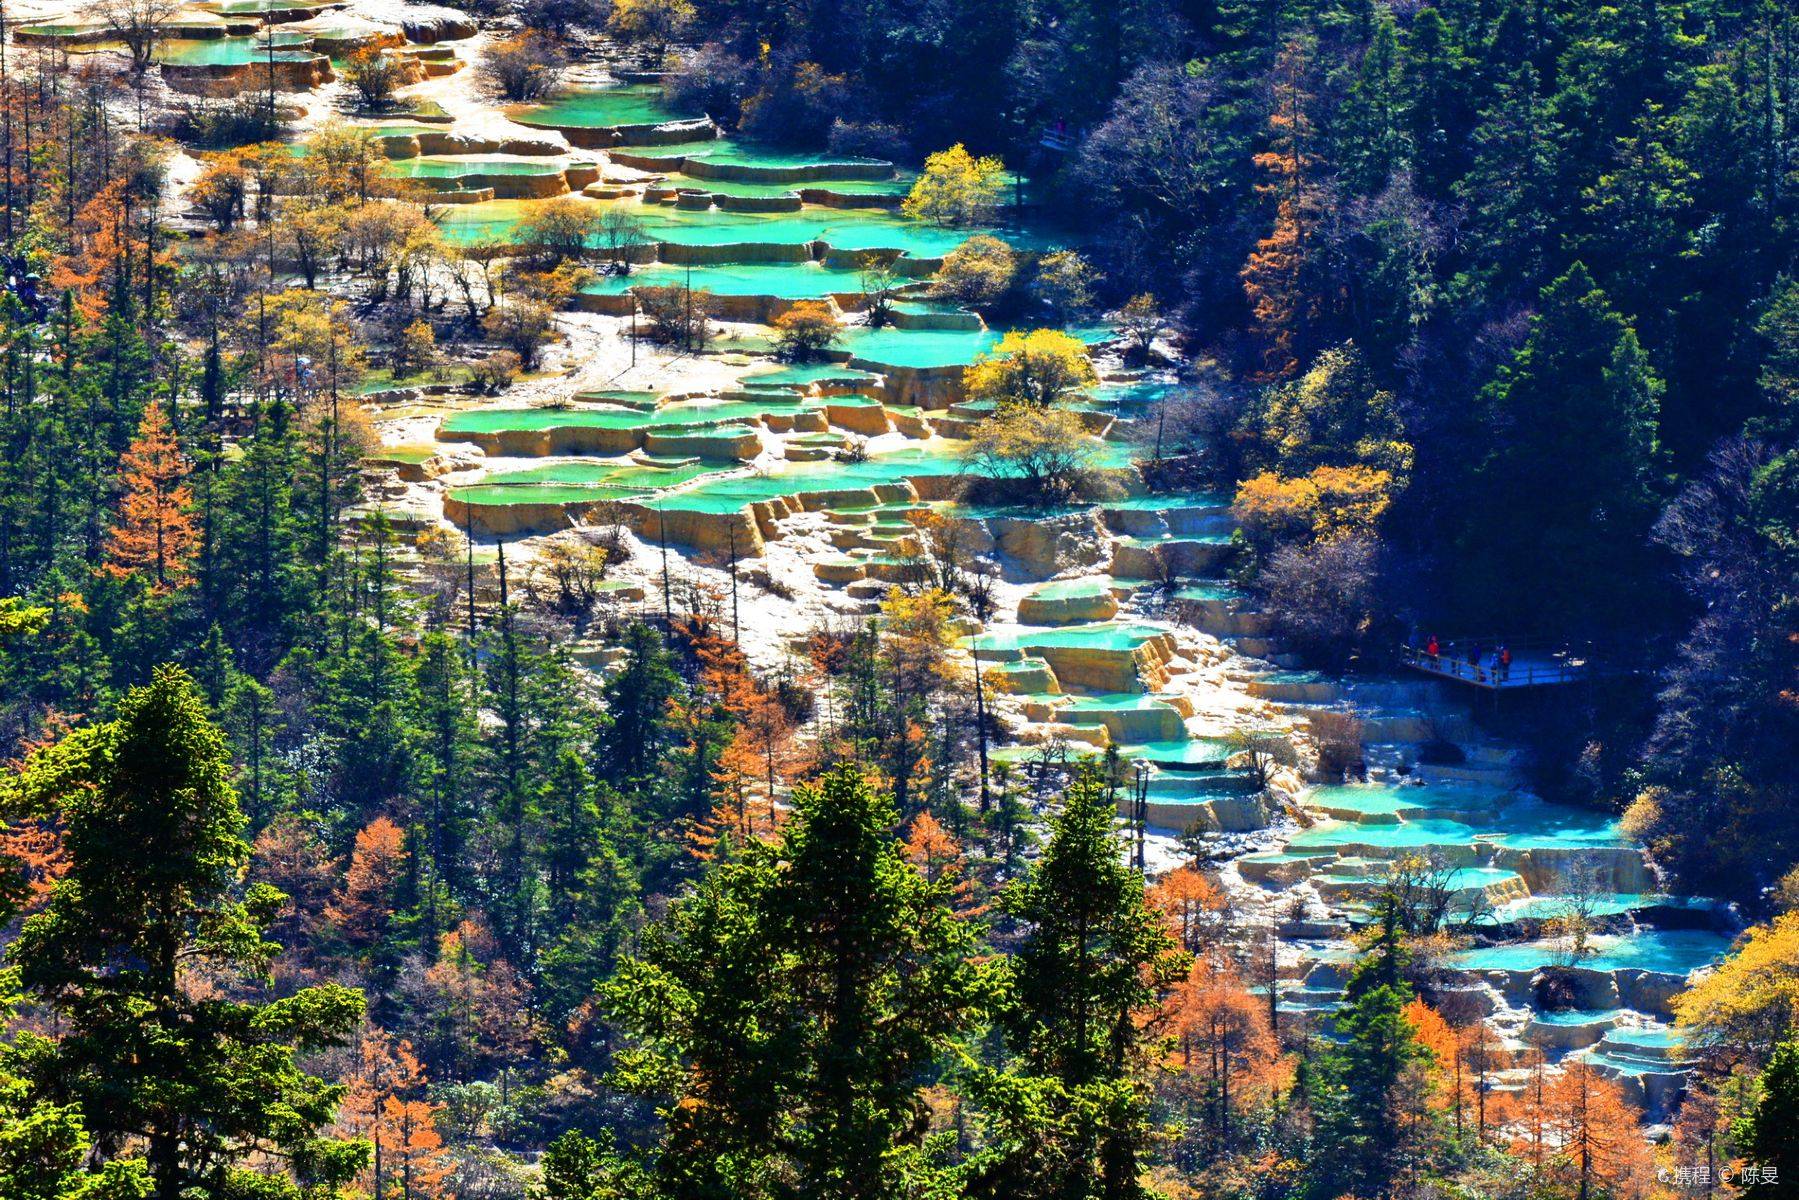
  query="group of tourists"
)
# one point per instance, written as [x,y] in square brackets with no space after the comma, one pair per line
[1483,665]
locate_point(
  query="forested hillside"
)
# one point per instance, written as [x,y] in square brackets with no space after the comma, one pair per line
[368,832]
[1503,289]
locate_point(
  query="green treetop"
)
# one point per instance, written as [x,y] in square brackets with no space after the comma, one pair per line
[794,1006]
[1070,1117]
[199,1079]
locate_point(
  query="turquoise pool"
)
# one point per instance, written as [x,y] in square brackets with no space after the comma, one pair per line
[603,108]
[1673,952]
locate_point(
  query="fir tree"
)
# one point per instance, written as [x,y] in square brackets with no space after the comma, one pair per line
[1070,1115]
[1566,486]
[1768,1136]
[794,1004]
[156,850]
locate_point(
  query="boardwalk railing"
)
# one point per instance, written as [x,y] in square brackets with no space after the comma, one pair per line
[1529,668]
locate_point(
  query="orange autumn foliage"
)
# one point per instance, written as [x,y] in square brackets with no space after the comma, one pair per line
[32,855]
[724,670]
[767,732]
[1193,906]
[1271,281]
[757,761]
[290,854]
[155,534]
[1453,1084]
[752,768]
[1578,1134]
[106,246]
[1482,1054]
[1431,1031]
[938,856]
[363,908]
[98,240]
[32,858]
[414,1150]
[383,1104]
[1221,1034]
[481,1005]
[386,1066]
[1274,277]
[739,814]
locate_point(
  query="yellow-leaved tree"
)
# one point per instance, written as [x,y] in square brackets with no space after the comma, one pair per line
[1328,503]
[1751,1002]
[651,24]
[957,188]
[1035,367]
[1036,454]
[976,274]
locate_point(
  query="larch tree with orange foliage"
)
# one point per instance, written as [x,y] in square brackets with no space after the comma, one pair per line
[384,1102]
[1275,278]
[740,812]
[701,719]
[938,856]
[363,909]
[730,821]
[154,535]
[1439,1087]
[752,767]
[290,854]
[100,243]
[1525,1114]
[1223,1042]
[32,857]
[768,731]
[1483,1053]
[1581,1136]
[482,1009]
[1194,906]
[1467,1081]
[414,1147]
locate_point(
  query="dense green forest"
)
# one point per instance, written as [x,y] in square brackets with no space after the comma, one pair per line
[333,873]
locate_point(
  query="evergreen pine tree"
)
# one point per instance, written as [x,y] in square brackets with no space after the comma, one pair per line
[794,1005]
[1563,499]
[155,845]
[1768,1135]
[1070,1116]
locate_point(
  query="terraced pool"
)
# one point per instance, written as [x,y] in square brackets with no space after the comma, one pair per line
[632,476]
[793,479]
[603,108]
[927,348]
[1120,635]
[850,229]
[1670,951]
[502,420]
[1521,824]
[457,168]
[282,46]
[789,281]
[874,189]
[799,375]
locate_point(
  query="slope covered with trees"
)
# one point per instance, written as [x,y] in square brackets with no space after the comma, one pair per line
[330,872]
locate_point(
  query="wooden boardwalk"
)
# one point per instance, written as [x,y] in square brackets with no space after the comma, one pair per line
[1531,666]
